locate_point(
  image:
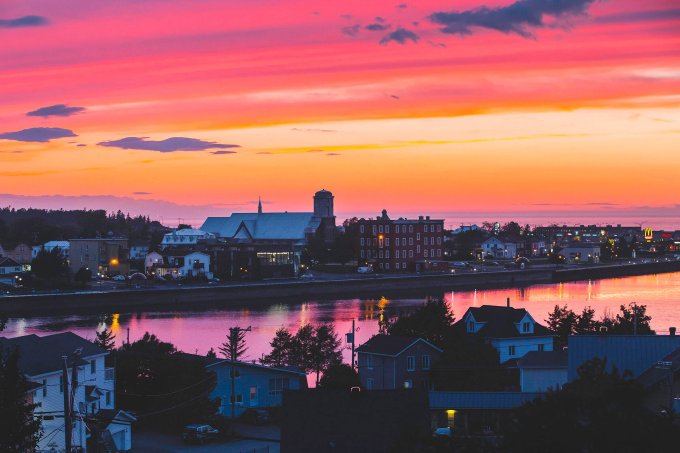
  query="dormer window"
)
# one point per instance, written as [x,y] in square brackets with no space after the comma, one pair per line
[526,327]
[471,326]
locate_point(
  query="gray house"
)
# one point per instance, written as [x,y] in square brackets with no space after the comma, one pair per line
[255,385]
[394,362]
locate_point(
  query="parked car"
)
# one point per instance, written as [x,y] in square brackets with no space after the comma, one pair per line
[459,264]
[256,416]
[119,278]
[199,434]
[364,269]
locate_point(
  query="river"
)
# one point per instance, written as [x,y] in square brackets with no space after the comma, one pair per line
[198,331]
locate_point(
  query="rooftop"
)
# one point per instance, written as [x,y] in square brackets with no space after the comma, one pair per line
[267,226]
[40,355]
[543,359]
[390,345]
[501,322]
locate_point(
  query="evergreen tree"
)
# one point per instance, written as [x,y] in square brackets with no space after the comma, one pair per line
[105,340]
[235,346]
[19,430]
[431,322]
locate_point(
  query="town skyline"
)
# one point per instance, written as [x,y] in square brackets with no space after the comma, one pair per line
[410,107]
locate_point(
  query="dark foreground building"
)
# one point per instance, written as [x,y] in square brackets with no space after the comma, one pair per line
[344,421]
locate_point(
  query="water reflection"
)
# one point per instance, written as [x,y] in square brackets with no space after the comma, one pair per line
[201,330]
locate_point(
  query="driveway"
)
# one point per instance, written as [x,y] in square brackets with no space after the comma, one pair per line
[149,442]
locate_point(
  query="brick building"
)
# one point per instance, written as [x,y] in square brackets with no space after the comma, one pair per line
[401,245]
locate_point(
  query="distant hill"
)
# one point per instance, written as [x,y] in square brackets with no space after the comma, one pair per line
[37,226]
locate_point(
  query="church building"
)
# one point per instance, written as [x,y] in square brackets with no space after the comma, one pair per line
[277,238]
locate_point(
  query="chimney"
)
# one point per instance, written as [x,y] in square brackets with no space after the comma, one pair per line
[420,217]
[427,217]
[672,331]
[508,302]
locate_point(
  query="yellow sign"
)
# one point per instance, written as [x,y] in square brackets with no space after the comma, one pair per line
[649,234]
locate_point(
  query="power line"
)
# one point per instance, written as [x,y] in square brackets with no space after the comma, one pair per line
[211,378]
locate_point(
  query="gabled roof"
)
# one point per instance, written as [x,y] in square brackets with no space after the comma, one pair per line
[635,353]
[543,359]
[8,262]
[41,355]
[391,345]
[269,225]
[500,322]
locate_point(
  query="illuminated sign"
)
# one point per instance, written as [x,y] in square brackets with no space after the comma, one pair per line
[649,234]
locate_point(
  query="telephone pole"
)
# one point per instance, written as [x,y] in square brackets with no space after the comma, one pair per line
[349,338]
[67,408]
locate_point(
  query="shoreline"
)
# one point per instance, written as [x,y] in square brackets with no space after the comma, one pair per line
[190,298]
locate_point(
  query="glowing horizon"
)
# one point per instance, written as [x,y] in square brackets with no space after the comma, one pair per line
[184,110]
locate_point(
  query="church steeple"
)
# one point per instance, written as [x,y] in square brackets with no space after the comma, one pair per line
[259,205]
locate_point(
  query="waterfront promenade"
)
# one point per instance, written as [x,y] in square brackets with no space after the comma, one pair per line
[131,298]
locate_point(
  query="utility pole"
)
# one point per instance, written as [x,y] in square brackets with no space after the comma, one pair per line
[67,409]
[233,350]
[349,338]
[635,319]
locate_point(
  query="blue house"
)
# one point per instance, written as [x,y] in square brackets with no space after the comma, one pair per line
[255,385]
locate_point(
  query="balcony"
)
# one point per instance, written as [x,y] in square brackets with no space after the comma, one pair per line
[109,374]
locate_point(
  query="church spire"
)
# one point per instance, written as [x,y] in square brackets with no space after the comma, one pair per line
[259,205]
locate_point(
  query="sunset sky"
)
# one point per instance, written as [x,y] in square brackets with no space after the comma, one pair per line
[466,109]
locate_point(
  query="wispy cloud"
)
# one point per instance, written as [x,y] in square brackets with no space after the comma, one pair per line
[377,27]
[401,36]
[25,21]
[519,17]
[37,134]
[141,193]
[168,145]
[352,30]
[56,110]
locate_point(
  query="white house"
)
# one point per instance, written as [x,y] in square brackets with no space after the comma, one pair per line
[9,266]
[581,253]
[511,331]
[540,371]
[41,360]
[501,249]
[64,246]
[151,260]
[185,237]
[183,263]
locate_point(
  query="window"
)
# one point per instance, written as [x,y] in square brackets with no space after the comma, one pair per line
[93,367]
[425,253]
[418,236]
[541,347]
[408,384]
[410,228]
[403,265]
[418,248]
[426,240]
[397,264]
[382,266]
[426,362]
[410,253]
[361,228]
[396,242]
[439,228]
[387,242]
[380,228]
[431,228]
[277,385]
[108,398]
[403,253]
[511,350]
[387,228]
[362,253]
[375,229]
[439,241]
[45,388]
[432,253]
[410,241]
[369,384]
[526,327]
[396,253]
[387,266]
[387,253]
[471,326]
[411,363]
[239,399]
[369,362]
[439,252]
[253,393]
[361,241]
[380,254]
